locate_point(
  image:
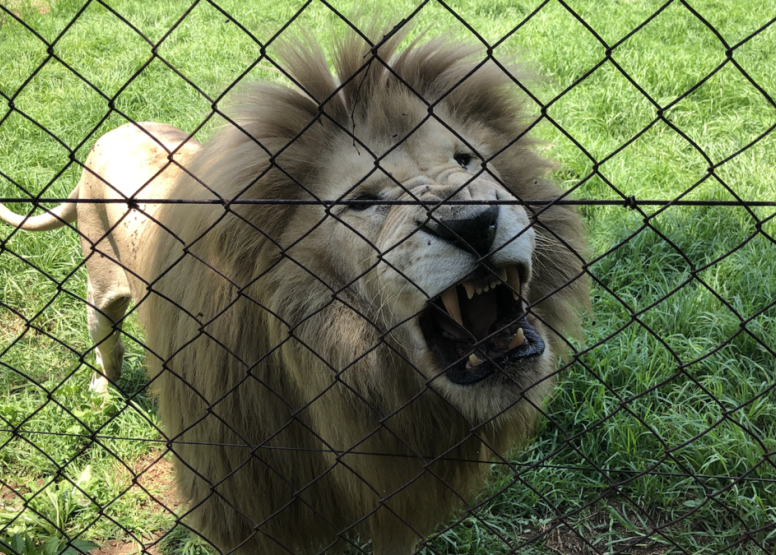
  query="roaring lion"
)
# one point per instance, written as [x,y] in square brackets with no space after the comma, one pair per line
[328,371]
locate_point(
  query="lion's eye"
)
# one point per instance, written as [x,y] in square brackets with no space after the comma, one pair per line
[365,201]
[463,159]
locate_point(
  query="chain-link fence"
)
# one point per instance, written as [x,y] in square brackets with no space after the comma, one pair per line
[356,297]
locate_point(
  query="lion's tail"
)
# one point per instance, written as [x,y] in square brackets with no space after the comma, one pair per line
[55,218]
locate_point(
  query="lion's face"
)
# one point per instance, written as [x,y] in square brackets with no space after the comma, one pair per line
[449,283]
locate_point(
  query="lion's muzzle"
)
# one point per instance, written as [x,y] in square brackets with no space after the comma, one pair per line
[480,326]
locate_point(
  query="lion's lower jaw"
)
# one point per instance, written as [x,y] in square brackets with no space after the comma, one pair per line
[499,399]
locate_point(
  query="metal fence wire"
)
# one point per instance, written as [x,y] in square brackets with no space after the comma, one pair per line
[281,424]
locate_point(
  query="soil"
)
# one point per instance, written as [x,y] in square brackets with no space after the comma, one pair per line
[156,477]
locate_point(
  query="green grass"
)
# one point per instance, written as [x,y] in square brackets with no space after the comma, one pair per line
[654,405]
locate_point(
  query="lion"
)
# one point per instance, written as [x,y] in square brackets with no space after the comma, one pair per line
[357,312]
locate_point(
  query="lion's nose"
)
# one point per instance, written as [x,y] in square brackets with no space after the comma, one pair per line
[474,234]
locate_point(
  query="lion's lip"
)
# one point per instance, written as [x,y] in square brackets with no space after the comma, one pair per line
[479,326]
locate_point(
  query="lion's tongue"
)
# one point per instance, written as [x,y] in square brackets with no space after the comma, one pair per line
[478,313]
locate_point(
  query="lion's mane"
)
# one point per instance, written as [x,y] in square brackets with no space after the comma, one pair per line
[294,420]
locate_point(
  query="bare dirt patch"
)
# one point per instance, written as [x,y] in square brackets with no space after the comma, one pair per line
[129,547]
[41,6]
[153,478]
[19,7]
[565,541]
[154,475]
[10,499]
[119,547]
[11,326]
[598,533]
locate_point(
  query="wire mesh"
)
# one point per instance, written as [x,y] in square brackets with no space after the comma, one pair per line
[660,435]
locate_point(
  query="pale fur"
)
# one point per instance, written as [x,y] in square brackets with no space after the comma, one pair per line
[295,387]
[135,160]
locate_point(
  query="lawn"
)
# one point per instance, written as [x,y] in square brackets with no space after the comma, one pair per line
[661,436]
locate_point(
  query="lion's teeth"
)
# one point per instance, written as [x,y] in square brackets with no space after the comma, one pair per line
[450,300]
[469,288]
[513,280]
[479,290]
[485,289]
[517,340]
[473,360]
[502,275]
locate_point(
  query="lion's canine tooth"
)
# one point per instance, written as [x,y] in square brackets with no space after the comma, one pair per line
[473,360]
[502,275]
[469,288]
[450,300]
[517,340]
[513,280]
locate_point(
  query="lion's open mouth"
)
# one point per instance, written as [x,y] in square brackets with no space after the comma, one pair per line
[480,326]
